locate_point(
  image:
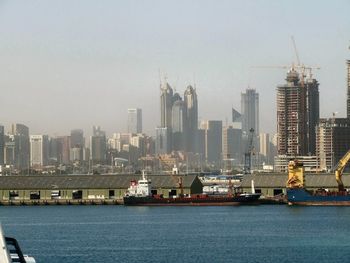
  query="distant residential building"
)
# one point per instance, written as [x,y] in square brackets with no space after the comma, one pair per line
[212,140]
[163,144]
[232,143]
[134,121]
[77,138]
[166,104]
[39,150]
[333,141]
[63,149]
[312,114]
[22,151]
[179,126]
[2,144]
[191,120]
[10,150]
[76,154]
[98,146]
[250,111]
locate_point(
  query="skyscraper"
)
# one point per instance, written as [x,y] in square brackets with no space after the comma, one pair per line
[191,110]
[134,121]
[166,104]
[179,126]
[297,115]
[77,138]
[212,140]
[231,143]
[21,138]
[312,114]
[291,117]
[39,150]
[98,146]
[166,107]
[333,141]
[250,111]
[162,140]
[348,98]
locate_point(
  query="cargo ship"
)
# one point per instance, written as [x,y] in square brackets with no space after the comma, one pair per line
[298,195]
[139,194]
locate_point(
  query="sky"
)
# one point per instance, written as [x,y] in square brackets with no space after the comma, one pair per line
[73,64]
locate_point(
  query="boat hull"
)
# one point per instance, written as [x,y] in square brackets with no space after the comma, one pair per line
[300,196]
[192,201]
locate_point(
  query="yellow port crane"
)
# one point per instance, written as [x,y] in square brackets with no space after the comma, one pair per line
[339,170]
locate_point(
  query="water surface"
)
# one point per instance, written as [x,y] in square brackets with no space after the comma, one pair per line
[57,234]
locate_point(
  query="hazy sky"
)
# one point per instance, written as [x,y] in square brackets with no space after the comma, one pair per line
[74,64]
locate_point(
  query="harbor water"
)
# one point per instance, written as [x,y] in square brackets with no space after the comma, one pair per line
[56,234]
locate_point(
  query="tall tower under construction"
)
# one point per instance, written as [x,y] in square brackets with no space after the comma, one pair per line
[298,112]
[291,116]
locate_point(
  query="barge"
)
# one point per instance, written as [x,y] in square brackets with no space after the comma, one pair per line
[139,194]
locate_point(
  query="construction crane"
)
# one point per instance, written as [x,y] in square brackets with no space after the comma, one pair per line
[339,170]
[303,70]
[248,152]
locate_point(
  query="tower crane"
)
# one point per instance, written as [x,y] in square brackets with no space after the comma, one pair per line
[248,152]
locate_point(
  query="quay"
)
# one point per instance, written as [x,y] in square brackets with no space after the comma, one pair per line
[109,189]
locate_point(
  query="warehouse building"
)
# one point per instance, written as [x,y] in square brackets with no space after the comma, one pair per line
[88,187]
[275,184]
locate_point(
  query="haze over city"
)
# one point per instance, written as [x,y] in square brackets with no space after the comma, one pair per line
[77,64]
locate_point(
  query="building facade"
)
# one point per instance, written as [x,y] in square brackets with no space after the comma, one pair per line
[191,110]
[39,151]
[333,141]
[22,148]
[212,141]
[291,117]
[134,120]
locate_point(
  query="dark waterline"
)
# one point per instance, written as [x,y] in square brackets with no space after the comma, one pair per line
[180,234]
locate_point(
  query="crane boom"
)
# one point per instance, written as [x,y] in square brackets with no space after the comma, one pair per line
[339,170]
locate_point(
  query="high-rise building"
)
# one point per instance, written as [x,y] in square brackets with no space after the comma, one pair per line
[333,141]
[179,126]
[348,95]
[166,104]
[291,117]
[10,150]
[212,141]
[77,138]
[22,148]
[2,144]
[134,121]
[162,141]
[39,150]
[312,114]
[297,115]
[63,149]
[250,111]
[191,110]
[98,146]
[232,143]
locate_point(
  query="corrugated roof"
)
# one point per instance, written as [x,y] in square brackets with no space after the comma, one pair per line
[88,181]
[279,181]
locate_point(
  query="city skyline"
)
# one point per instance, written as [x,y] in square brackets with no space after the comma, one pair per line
[58,74]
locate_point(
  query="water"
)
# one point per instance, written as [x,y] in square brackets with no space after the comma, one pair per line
[180,234]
